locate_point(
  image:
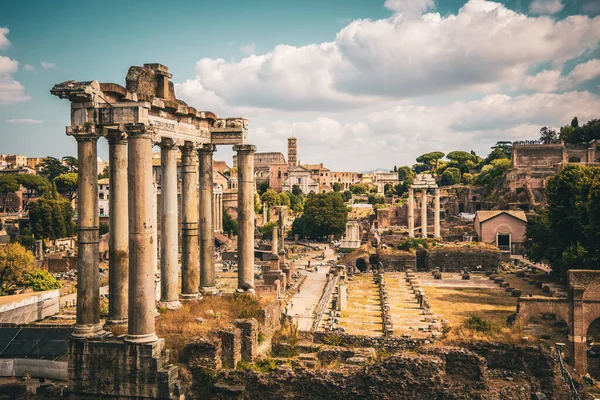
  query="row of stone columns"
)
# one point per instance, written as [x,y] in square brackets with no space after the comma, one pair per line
[411,213]
[131,255]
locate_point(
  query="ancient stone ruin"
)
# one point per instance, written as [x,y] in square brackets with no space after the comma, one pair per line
[133,119]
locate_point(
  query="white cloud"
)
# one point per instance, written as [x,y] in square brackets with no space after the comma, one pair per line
[47,65]
[409,7]
[583,72]
[26,121]
[482,48]
[545,6]
[248,49]
[28,67]
[4,42]
[11,91]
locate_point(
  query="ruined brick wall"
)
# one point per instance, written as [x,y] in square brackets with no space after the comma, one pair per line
[454,259]
[397,260]
[61,264]
[390,343]
[534,156]
[269,318]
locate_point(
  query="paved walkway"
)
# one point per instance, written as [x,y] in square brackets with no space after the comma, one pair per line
[302,304]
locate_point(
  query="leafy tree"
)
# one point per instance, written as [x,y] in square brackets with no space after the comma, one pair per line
[548,136]
[52,167]
[431,160]
[297,203]
[51,217]
[15,263]
[401,188]
[462,160]
[72,163]
[347,195]
[8,184]
[420,168]
[271,198]
[284,199]
[262,187]
[105,174]
[297,190]
[229,224]
[496,154]
[324,214]
[575,122]
[359,188]
[505,146]
[267,229]
[566,232]
[395,169]
[405,174]
[33,184]
[376,199]
[337,187]
[40,279]
[451,176]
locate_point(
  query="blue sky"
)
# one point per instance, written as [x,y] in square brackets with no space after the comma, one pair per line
[361,83]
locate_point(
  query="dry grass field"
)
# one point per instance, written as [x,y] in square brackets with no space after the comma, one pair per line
[363,315]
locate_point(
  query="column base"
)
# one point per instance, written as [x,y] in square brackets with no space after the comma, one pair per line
[251,291]
[170,304]
[115,322]
[148,338]
[186,298]
[88,331]
[209,291]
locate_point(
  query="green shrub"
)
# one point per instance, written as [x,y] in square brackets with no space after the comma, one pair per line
[479,324]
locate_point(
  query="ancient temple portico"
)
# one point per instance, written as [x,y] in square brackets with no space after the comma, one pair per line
[134,118]
[424,182]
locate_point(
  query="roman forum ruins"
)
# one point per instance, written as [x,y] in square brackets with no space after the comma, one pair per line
[133,119]
[424,182]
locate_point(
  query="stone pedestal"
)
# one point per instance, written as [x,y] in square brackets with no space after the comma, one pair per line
[190,268]
[169,248]
[207,217]
[118,237]
[88,289]
[245,154]
[142,297]
[114,369]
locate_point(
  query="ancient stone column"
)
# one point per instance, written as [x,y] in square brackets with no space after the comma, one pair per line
[142,291]
[274,245]
[245,153]
[424,213]
[169,249]
[190,272]
[88,291]
[436,214]
[220,210]
[207,232]
[411,212]
[118,237]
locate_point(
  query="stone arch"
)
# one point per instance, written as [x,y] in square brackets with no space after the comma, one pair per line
[529,307]
[574,159]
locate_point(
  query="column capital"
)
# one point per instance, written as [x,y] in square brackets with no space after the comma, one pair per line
[244,148]
[206,148]
[168,144]
[139,130]
[116,136]
[187,146]
[84,133]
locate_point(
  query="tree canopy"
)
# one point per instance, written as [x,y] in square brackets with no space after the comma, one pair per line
[53,167]
[15,263]
[567,232]
[33,184]
[324,214]
[51,217]
[8,184]
[431,160]
[66,184]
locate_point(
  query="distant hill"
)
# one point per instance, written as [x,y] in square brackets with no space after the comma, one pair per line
[377,170]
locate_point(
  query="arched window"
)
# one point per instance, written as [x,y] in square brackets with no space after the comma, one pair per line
[101,196]
[574,159]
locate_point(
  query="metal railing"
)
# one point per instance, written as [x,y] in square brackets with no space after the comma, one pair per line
[565,374]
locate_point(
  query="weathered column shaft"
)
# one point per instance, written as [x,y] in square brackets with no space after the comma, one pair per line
[220,212]
[190,272]
[118,236]
[207,216]
[88,291]
[245,155]
[142,297]
[424,213]
[436,214]
[411,212]
[169,269]
[274,245]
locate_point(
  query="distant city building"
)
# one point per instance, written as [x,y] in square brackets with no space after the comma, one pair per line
[277,175]
[344,178]
[301,177]
[384,178]
[503,228]
[292,152]
[103,197]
